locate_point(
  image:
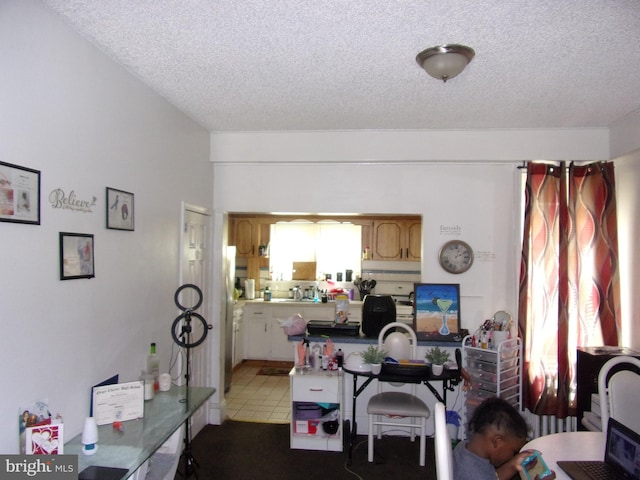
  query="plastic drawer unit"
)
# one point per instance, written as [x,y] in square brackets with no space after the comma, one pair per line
[493,372]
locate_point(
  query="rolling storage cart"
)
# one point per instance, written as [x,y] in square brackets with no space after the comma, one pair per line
[316,410]
[494,372]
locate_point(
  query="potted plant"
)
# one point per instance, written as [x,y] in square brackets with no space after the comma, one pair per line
[375,357]
[437,357]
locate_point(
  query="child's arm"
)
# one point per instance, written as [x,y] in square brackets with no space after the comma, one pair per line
[509,469]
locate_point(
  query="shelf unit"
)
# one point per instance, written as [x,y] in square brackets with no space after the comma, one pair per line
[494,372]
[590,361]
[316,410]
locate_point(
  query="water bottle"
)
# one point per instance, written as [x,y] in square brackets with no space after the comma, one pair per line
[153,367]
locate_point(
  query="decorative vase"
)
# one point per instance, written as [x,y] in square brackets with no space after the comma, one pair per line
[437,369]
[376,368]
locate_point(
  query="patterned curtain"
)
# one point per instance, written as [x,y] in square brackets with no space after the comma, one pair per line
[569,286]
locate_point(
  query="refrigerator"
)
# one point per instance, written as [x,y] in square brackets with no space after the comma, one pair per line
[229,276]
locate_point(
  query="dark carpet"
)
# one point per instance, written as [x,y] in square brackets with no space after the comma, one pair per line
[247,451]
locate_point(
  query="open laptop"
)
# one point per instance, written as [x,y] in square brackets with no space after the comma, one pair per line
[621,457]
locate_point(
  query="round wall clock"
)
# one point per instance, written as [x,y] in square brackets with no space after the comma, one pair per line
[456,256]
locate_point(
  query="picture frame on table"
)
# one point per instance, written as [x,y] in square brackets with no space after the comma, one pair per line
[436,312]
[19,194]
[76,256]
[120,209]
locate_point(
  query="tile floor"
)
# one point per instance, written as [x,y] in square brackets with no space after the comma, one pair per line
[259,398]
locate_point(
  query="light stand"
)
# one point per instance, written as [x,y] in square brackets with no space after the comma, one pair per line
[181,331]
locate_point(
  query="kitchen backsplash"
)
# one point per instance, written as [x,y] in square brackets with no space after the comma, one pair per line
[392,278]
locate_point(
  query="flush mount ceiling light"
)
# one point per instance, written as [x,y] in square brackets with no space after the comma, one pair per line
[445,61]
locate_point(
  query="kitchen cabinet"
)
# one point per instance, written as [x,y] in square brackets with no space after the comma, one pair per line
[316,410]
[265,338]
[397,240]
[257,326]
[247,234]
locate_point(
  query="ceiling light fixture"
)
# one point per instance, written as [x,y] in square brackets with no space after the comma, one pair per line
[445,61]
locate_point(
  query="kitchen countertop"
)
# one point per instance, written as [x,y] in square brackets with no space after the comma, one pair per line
[288,301]
[362,340]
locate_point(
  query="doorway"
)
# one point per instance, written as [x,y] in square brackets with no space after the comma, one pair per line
[195,269]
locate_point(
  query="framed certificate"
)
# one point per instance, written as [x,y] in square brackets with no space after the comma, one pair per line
[119,402]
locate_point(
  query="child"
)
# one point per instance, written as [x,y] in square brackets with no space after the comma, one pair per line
[497,433]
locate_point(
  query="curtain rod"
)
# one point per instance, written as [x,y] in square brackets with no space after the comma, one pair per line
[587,162]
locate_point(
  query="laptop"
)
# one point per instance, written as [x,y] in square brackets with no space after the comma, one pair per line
[621,457]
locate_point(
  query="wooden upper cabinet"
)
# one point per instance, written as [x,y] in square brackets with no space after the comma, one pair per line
[392,238]
[414,240]
[243,236]
[398,240]
[247,234]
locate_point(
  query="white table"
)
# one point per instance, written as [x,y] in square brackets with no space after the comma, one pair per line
[568,446]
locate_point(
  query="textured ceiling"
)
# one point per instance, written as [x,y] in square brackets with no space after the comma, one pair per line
[235,65]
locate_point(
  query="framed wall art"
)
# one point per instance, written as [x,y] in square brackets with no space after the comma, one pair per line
[437,311]
[19,194]
[120,210]
[76,256]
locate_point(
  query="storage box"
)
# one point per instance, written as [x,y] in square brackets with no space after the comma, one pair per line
[307,411]
[312,427]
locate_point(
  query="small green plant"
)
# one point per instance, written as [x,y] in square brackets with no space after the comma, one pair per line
[437,356]
[373,355]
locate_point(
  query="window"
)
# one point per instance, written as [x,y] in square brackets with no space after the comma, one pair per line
[334,246]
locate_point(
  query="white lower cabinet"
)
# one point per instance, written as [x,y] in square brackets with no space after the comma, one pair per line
[265,338]
[316,410]
[257,327]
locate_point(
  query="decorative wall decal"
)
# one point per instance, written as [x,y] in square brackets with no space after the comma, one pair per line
[120,210]
[19,194]
[59,199]
[450,230]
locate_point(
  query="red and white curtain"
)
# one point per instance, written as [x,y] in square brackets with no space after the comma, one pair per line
[569,282]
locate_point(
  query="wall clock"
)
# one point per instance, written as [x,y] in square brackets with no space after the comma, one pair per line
[456,256]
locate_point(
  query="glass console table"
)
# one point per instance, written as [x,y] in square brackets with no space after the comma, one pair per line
[141,438]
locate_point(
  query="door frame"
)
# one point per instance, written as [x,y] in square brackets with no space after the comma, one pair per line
[206,308]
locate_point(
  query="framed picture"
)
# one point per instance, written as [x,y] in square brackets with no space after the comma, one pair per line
[120,210]
[76,256]
[19,194]
[437,311]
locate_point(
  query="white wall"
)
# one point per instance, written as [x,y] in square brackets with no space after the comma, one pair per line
[260,173]
[625,135]
[338,147]
[625,146]
[86,124]
[628,209]
[476,187]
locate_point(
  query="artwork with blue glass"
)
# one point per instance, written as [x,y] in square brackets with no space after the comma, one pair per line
[437,311]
